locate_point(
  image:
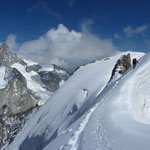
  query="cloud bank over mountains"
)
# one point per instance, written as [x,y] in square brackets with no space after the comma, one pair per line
[64,47]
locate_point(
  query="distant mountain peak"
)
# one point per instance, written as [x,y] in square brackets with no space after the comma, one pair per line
[7,57]
[4,47]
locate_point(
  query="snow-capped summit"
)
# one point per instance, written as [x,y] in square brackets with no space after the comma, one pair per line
[88,113]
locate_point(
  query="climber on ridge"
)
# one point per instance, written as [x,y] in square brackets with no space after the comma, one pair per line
[134,62]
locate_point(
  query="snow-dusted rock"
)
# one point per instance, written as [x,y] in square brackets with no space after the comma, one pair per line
[53,79]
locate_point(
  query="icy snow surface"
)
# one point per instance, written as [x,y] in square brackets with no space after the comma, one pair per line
[86,114]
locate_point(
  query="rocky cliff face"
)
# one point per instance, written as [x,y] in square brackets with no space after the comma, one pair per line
[34,67]
[7,58]
[122,65]
[15,95]
[16,103]
[53,79]
[22,87]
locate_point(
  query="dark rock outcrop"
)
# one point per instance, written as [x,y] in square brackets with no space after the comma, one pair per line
[122,65]
[52,79]
[35,68]
[11,124]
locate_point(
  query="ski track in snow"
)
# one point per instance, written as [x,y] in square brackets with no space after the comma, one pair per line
[73,142]
[102,140]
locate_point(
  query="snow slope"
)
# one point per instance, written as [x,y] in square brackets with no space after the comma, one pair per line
[117,123]
[84,113]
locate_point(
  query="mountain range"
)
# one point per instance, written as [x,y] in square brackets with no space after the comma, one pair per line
[24,87]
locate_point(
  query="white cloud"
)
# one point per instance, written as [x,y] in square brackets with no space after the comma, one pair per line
[11,41]
[116,36]
[137,31]
[86,24]
[65,48]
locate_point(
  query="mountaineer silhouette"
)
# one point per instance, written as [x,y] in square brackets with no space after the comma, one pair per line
[134,62]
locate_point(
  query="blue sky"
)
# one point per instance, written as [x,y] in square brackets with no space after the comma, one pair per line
[126,23]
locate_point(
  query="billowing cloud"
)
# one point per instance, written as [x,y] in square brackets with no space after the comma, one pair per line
[137,31]
[11,41]
[86,24]
[66,48]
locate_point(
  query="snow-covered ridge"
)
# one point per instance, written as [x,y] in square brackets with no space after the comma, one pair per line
[83,96]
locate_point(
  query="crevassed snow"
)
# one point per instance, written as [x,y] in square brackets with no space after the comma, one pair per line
[100,128]
[34,83]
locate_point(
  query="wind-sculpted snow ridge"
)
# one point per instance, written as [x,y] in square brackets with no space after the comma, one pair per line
[114,121]
[85,113]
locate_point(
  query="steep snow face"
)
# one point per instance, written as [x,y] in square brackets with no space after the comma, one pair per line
[70,109]
[140,91]
[117,123]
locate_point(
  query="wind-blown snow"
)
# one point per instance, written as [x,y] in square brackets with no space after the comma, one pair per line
[85,114]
